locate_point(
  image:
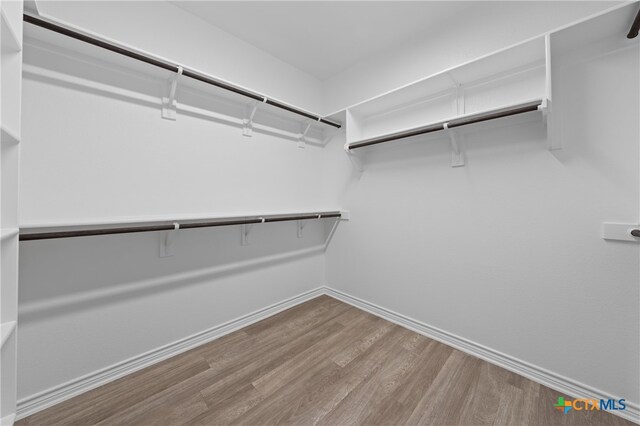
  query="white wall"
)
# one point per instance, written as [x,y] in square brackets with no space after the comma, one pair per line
[89,303]
[89,152]
[87,139]
[507,252]
[163,29]
[473,34]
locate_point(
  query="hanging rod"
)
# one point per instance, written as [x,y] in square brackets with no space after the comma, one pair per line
[463,121]
[635,27]
[170,226]
[172,67]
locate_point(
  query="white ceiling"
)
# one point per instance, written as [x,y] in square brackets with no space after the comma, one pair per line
[323,38]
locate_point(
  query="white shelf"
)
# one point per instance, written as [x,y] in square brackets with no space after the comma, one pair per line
[8,420]
[504,78]
[88,67]
[11,86]
[10,40]
[6,329]
[452,122]
[7,233]
[8,136]
[150,220]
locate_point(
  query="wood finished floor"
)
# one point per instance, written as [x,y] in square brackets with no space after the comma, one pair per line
[322,362]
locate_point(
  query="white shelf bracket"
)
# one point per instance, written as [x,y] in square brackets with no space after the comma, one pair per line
[554,141]
[167,239]
[32,6]
[244,233]
[169,104]
[302,136]
[245,228]
[458,100]
[247,121]
[460,105]
[455,82]
[300,228]
[457,156]
[544,109]
[356,161]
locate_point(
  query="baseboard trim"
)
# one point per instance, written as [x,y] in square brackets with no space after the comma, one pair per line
[544,377]
[40,401]
[60,393]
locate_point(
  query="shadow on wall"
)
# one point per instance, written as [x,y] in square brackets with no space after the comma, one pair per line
[63,275]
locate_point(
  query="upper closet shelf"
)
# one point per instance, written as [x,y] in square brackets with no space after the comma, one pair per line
[462,120]
[224,101]
[510,81]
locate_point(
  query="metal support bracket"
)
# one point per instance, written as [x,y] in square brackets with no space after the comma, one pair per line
[247,121]
[457,156]
[167,238]
[169,105]
[302,136]
[245,228]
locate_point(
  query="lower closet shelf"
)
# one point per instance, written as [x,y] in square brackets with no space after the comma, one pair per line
[126,227]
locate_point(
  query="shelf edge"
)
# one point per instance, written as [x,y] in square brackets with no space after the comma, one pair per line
[437,126]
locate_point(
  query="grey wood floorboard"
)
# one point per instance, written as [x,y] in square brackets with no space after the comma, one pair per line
[322,362]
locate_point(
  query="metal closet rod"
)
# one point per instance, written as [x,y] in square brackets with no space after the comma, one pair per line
[171,67]
[174,225]
[491,115]
[635,27]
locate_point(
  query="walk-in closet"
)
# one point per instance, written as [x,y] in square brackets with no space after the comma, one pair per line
[319,212]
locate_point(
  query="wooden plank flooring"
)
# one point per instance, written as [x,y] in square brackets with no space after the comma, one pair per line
[321,362]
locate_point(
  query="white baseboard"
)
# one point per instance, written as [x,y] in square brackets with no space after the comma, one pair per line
[60,393]
[40,401]
[539,375]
